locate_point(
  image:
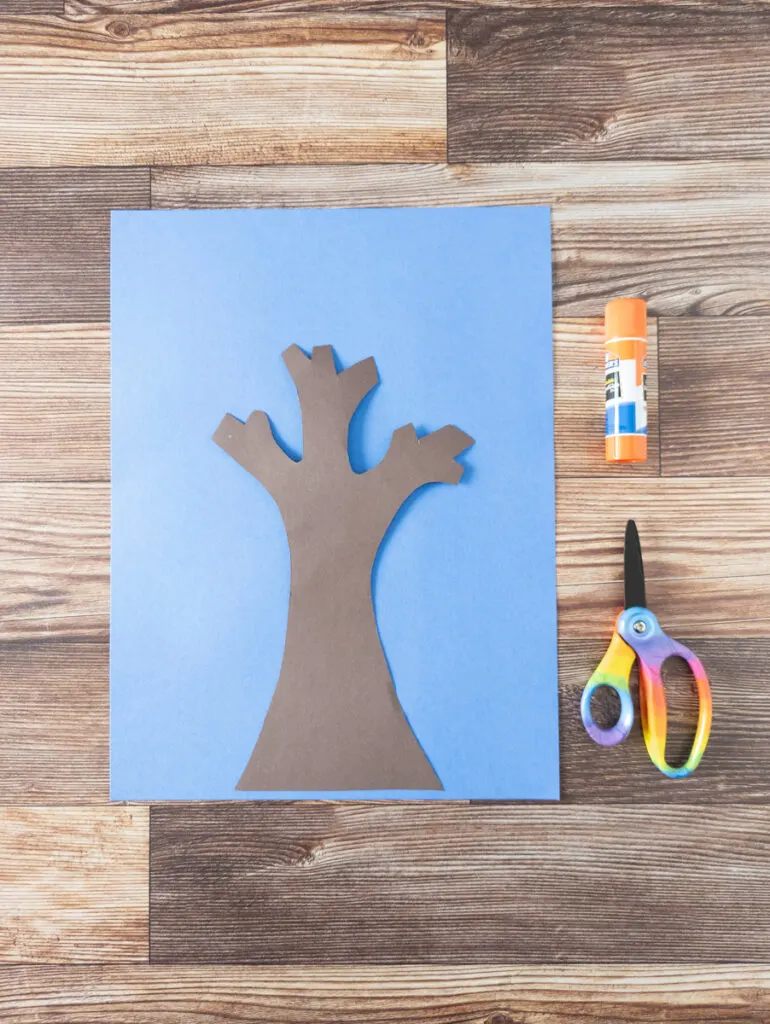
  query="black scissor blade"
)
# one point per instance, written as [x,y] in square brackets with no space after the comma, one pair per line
[633,568]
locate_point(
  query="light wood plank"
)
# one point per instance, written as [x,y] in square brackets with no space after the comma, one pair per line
[443,883]
[728,607]
[681,994]
[31,7]
[691,529]
[54,401]
[628,83]
[715,416]
[73,884]
[230,88]
[80,8]
[55,226]
[706,554]
[690,238]
[54,561]
[706,545]
[59,354]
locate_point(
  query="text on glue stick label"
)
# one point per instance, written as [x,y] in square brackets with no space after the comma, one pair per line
[625,393]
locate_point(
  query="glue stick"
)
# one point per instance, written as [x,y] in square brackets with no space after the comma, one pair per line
[625,388]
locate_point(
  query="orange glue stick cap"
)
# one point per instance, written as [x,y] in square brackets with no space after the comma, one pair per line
[625,318]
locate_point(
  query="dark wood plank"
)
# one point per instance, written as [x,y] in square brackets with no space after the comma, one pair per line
[411,883]
[626,83]
[54,224]
[73,884]
[54,723]
[106,90]
[734,767]
[683,994]
[715,416]
[690,238]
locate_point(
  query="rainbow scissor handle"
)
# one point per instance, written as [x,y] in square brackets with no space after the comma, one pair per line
[638,635]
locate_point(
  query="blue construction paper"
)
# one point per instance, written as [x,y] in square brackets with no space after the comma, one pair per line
[455,307]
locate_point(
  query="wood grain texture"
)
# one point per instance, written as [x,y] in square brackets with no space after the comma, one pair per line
[684,994]
[729,607]
[54,723]
[31,7]
[106,90]
[54,402]
[690,238]
[734,767]
[54,727]
[448,883]
[706,553]
[690,528]
[706,545]
[80,8]
[54,562]
[73,884]
[55,226]
[627,83]
[715,416]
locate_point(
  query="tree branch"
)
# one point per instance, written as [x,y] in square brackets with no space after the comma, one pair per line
[356,382]
[254,447]
[412,461]
[327,399]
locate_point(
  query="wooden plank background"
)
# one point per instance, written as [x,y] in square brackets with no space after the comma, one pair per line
[416,885]
[73,884]
[609,83]
[296,90]
[636,994]
[646,128]
[690,236]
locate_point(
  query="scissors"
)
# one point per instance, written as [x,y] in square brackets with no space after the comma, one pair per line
[638,635]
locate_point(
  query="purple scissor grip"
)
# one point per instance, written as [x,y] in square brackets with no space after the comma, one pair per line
[617,732]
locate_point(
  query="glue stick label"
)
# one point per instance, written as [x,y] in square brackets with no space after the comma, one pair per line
[625,386]
[612,379]
[625,380]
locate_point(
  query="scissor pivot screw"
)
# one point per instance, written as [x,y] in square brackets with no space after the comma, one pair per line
[640,627]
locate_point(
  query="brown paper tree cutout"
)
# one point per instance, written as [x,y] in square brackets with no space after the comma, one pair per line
[335,721]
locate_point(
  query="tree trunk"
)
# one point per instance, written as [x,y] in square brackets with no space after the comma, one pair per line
[335,721]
